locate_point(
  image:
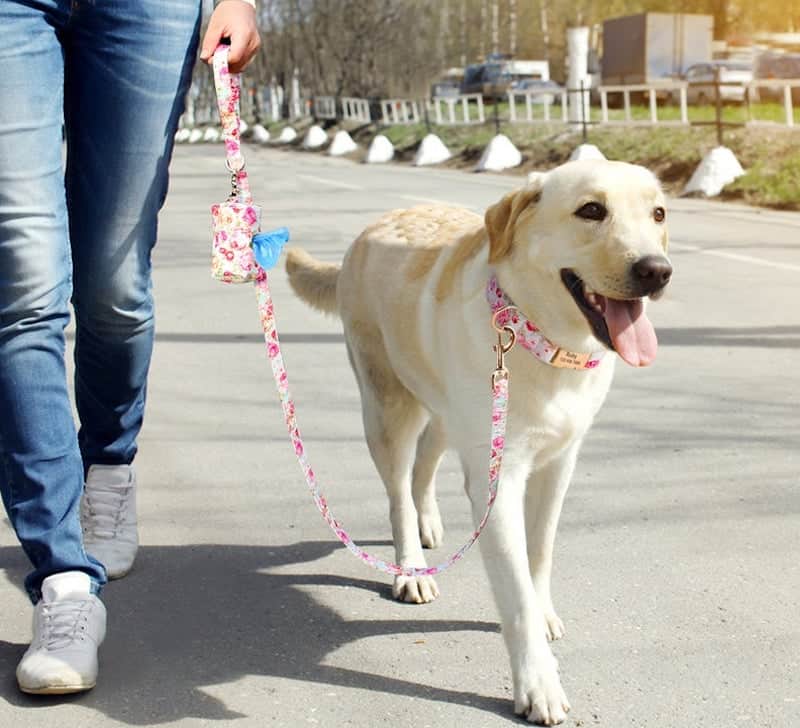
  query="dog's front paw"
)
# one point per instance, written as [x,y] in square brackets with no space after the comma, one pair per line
[415,589]
[553,626]
[540,699]
[431,530]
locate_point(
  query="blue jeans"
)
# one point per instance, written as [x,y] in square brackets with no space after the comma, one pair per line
[114,73]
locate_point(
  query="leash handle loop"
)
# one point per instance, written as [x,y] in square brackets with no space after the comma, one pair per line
[499,415]
[229,88]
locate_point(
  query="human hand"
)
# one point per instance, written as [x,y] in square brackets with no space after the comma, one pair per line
[234,19]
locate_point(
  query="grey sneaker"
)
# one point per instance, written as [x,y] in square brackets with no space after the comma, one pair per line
[69,624]
[108,517]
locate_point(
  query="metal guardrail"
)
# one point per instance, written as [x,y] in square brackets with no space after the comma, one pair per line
[548,98]
[652,91]
[400,111]
[522,105]
[786,85]
[325,107]
[466,102]
[354,109]
[528,107]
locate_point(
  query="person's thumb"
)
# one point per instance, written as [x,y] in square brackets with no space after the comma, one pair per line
[211,40]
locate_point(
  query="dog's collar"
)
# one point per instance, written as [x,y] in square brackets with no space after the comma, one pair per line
[529,336]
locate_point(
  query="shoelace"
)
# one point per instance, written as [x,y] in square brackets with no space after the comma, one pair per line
[105,507]
[64,622]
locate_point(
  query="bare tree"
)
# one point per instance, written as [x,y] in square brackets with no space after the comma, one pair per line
[512,31]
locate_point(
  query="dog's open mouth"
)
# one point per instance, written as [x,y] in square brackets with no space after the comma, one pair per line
[622,325]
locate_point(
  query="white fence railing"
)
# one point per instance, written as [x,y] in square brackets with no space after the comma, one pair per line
[325,107]
[468,103]
[781,87]
[617,106]
[532,99]
[664,91]
[400,111]
[354,109]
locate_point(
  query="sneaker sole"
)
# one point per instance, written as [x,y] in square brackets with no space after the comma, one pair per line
[57,689]
[109,575]
[119,574]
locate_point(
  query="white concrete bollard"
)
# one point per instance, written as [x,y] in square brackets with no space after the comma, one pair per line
[287,135]
[380,151]
[342,144]
[586,151]
[315,137]
[260,135]
[431,151]
[719,168]
[500,154]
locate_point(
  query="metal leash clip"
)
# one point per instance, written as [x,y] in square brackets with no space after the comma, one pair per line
[500,348]
[234,179]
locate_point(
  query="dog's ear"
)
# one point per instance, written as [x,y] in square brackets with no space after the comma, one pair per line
[501,218]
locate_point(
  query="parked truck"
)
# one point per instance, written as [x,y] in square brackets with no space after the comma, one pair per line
[652,47]
[495,76]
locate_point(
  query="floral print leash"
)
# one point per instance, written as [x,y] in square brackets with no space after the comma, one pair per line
[266,251]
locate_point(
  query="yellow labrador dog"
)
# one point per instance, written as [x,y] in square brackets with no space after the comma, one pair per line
[576,251]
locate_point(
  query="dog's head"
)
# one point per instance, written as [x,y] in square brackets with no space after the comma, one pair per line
[579,249]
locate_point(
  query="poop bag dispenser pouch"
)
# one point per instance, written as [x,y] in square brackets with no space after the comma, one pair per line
[237,220]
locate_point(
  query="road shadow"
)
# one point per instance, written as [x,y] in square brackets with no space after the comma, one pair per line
[193,616]
[235,338]
[758,337]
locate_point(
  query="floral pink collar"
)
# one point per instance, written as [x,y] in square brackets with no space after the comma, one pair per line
[529,336]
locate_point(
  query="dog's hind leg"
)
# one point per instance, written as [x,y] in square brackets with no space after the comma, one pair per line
[393,420]
[430,448]
[544,497]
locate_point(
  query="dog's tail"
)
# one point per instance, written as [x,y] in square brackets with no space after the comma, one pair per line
[313,280]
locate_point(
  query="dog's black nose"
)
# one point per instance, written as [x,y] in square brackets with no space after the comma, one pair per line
[652,273]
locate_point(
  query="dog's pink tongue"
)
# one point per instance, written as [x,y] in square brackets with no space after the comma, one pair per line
[631,332]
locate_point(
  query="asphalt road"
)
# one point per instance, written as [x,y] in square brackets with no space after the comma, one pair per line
[677,565]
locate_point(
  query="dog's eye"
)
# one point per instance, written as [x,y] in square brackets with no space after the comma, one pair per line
[659,214]
[592,211]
